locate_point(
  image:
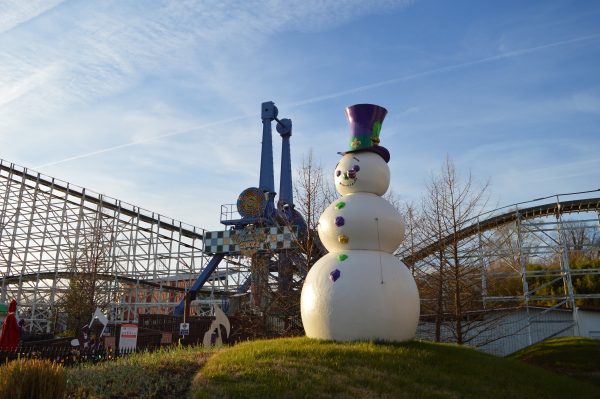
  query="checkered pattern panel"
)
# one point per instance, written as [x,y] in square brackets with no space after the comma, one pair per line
[263,239]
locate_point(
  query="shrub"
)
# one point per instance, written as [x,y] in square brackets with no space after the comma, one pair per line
[32,378]
[162,374]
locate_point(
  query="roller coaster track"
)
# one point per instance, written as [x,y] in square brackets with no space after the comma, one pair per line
[115,205]
[49,227]
[556,208]
[146,258]
[101,276]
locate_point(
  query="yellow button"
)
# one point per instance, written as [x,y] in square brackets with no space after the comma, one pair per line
[343,239]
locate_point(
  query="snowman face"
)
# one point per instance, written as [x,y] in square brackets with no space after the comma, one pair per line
[364,172]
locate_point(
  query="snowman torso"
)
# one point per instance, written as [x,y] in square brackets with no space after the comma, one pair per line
[359,290]
[361,221]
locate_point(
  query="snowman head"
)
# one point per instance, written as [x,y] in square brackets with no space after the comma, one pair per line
[362,172]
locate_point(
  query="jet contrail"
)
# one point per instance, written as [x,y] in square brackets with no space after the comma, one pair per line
[509,54]
[154,138]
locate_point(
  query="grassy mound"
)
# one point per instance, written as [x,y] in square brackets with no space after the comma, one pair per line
[305,368]
[161,374]
[573,356]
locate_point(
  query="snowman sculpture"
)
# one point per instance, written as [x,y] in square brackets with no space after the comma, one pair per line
[359,290]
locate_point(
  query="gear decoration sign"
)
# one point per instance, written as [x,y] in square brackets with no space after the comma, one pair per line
[250,240]
[251,202]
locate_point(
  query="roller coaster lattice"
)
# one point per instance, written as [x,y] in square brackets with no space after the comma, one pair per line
[539,230]
[517,262]
[142,262]
[50,229]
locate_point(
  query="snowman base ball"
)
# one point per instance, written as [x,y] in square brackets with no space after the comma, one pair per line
[360,295]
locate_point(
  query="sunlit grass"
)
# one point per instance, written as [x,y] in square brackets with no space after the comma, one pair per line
[305,368]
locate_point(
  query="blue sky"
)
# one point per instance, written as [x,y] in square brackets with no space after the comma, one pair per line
[157,103]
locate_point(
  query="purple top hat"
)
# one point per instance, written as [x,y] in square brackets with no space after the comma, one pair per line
[365,125]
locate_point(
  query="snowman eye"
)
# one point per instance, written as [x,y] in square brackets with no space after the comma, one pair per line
[356,168]
[338,173]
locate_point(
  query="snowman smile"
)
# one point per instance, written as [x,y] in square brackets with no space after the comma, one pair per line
[349,178]
[349,182]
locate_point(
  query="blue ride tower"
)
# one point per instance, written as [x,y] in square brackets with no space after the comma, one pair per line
[255,215]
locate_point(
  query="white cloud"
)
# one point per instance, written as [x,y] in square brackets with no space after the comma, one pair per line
[106,48]
[28,84]
[157,103]
[17,12]
[56,76]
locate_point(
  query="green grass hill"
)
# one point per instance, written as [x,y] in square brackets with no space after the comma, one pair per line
[573,356]
[305,368]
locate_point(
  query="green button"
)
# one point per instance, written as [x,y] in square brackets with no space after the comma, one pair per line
[342,257]
[340,205]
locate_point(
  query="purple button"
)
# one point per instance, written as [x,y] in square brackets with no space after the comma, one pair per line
[334,275]
[339,221]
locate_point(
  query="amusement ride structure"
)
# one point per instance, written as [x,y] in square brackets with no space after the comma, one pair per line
[258,229]
[142,262]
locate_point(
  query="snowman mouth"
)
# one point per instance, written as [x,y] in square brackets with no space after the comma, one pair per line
[348,183]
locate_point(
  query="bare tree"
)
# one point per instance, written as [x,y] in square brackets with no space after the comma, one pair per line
[504,275]
[577,235]
[433,209]
[451,204]
[413,233]
[313,193]
[88,265]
